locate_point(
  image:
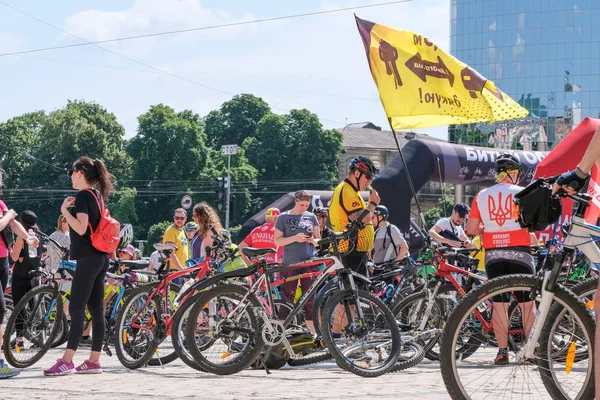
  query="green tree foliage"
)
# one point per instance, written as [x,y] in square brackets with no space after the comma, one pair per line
[154,232]
[122,206]
[171,155]
[235,120]
[58,139]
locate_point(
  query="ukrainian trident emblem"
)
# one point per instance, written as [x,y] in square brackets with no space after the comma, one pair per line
[502,211]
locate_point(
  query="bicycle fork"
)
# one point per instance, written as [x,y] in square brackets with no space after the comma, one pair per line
[528,350]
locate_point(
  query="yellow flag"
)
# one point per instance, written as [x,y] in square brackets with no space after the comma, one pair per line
[421,86]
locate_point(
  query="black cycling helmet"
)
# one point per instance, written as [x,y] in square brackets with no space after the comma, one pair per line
[364,165]
[506,162]
[321,212]
[383,211]
[538,207]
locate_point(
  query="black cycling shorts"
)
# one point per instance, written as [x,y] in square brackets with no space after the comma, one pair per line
[507,261]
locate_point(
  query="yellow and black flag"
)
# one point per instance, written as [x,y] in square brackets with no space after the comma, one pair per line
[421,86]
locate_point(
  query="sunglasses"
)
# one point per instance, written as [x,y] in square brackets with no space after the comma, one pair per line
[179,218]
[70,172]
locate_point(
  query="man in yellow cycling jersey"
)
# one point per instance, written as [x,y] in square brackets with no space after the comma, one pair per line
[347,204]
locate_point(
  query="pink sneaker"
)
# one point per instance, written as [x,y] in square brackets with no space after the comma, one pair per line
[60,368]
[88,367]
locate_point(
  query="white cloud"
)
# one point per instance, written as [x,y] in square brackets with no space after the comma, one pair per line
[154,16]
[10,43]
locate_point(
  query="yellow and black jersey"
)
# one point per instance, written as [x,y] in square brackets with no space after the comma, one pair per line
[346,205]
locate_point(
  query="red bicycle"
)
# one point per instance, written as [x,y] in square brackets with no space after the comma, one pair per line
[147,315]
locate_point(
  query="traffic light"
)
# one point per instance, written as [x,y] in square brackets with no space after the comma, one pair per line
[221,195]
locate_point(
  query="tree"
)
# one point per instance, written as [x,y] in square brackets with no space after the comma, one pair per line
[57,140]
[171,157]
[122,206]
[154,232]
[294,148]
[235,120]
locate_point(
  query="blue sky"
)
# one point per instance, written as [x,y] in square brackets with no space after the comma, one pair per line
[315,62]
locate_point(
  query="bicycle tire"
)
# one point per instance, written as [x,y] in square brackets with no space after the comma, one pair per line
[413,360]
[63,333]
[178,333]
[122,336]
[28,300]
[442,316]
[159,359]
[382,314]
[448,356]
[254,344]
[585,288]
[309,360]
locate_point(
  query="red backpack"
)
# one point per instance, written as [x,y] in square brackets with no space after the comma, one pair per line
[106,237]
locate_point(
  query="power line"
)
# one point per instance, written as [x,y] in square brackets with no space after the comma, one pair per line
[202,28]
[344,96]
[86,42]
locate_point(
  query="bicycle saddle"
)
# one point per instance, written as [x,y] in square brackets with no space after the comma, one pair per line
[254,252]
[165,247]
[135,263]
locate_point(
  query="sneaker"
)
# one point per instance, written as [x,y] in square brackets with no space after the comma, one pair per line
[501,358]
[86,342]
[60,368]
[88,367]
[14,343]
[7,372]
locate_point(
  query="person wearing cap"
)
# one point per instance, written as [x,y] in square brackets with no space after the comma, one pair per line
[450,231]
[126,253]
[23,265]
[262,237]
[322,214]
[389,242]
[191,231]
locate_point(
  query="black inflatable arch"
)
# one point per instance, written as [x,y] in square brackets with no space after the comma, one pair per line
[426,160]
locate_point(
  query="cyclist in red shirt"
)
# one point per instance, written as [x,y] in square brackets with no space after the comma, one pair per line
[262,237]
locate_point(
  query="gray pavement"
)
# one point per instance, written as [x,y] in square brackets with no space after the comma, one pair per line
[177,381]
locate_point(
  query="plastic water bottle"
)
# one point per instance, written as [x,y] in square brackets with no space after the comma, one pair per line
[30,240]
[388,292]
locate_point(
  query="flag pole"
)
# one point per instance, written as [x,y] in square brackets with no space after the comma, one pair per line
[408,178]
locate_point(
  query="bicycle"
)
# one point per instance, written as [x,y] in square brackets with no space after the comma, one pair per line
[561,339]
[147,315]
[234,325]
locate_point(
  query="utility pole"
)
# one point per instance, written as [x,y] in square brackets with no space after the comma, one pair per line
[228,150]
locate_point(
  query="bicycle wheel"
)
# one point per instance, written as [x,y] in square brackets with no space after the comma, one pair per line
[63,332]
[178,330]
[41,315]
[411,354]
[223,341]
[165,351]
[366,347]
[542,377]
[135,335]
[410,312]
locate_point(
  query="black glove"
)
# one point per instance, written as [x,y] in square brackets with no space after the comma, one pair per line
[575,179]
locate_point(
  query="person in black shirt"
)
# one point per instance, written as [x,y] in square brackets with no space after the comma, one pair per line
[24,264]
[93,181]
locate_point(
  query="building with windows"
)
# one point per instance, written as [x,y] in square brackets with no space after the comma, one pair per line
[543,53]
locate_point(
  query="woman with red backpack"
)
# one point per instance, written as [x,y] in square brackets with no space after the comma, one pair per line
[84,213]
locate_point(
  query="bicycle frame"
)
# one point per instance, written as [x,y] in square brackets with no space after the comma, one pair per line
[581,236]
[332,265]
[163,288]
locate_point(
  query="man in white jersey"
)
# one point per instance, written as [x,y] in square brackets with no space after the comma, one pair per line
[450,230]
[506,244]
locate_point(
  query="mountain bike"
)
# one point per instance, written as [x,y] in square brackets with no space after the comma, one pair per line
[232,326]
[557,354]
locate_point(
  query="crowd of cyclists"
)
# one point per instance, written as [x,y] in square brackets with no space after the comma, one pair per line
[287,238]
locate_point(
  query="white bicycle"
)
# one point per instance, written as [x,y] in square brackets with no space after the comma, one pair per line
[555,360]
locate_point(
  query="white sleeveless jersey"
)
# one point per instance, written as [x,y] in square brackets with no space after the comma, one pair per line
[495,207]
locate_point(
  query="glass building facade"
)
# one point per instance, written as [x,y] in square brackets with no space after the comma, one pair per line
[545,54]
